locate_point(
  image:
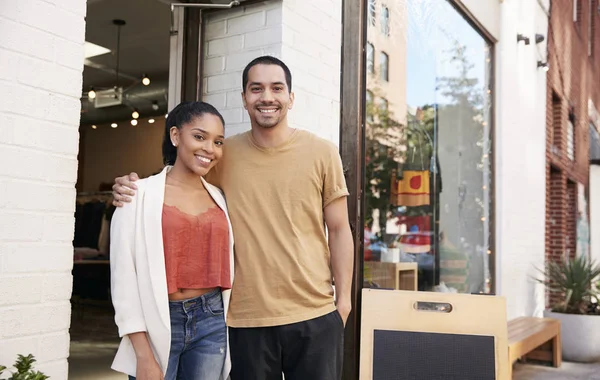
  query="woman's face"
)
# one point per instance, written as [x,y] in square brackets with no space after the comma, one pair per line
[199,143]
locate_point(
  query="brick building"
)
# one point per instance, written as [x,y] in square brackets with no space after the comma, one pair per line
[572,99]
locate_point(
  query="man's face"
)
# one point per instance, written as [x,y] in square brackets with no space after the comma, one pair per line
[266,96]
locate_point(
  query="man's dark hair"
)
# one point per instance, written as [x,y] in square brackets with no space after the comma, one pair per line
[267,60]
[182,114]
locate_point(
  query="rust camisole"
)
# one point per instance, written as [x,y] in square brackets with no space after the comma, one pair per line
[196,249]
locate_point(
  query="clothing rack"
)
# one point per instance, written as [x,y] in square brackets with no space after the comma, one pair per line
[88,196]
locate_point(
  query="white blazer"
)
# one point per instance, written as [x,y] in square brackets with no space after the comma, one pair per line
[138,274]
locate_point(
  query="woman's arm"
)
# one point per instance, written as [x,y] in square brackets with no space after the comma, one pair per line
[129,316]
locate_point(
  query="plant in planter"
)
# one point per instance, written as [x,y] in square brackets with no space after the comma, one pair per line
[575,281]
[24,367]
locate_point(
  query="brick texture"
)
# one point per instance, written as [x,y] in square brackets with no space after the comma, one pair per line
[572,80]
[292,31]
[41,64]
[232,38]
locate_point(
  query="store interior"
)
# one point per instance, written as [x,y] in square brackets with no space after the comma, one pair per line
[123,107]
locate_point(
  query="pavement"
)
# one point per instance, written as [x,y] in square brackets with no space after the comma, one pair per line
[568,371]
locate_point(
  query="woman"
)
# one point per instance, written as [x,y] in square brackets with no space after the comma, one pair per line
[172,259]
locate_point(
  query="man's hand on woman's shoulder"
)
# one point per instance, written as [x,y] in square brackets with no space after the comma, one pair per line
[123,188]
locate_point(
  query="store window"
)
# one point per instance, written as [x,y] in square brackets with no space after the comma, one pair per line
[428,153]
[384,66]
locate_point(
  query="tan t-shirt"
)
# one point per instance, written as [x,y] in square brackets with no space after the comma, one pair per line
[276,197]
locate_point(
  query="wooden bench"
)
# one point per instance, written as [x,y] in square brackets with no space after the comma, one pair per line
[534,338]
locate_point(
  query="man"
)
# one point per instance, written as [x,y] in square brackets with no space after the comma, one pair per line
[281,184]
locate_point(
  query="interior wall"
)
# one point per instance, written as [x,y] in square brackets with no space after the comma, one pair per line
[112,152]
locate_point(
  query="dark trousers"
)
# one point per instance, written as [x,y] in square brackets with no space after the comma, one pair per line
[308,350]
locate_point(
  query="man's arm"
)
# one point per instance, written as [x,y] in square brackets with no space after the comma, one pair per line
[124,188]
[341,247]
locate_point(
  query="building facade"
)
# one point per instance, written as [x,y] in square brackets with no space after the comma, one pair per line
[448,124]
[572,122]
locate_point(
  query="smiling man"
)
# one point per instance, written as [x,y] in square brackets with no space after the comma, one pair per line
[283,186]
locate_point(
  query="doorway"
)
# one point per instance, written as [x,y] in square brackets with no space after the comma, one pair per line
[123,106]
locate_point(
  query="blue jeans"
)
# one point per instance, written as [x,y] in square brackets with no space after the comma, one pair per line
[198,338]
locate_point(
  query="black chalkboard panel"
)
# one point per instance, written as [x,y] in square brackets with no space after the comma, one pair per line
[404,355]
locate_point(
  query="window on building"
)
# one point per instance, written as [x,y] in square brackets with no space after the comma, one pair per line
[383,105]
[385,21]
[384,67]
[556,123]
[369,107]
[577,10]
[571,137]
[429,204]
[372,12]
[591,27]
[370,58]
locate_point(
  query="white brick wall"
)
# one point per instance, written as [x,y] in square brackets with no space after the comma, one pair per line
[520,95]
[234,37]
[290,30]
[312,43]
[41,63]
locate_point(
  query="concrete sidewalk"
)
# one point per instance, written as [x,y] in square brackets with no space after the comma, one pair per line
[568,371]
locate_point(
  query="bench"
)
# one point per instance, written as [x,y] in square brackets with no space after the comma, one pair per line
[534,338]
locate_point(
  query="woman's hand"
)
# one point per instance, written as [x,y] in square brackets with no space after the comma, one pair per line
[148,369]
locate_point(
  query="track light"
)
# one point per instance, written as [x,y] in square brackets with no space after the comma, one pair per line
[92,93]
[94,127]
[145,80]
[151,121]
[114,125]
[543,65]
[134,122]
[155,105]
[521,37]
[135,114]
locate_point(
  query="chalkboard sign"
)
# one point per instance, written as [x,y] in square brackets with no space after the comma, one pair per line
[405,355]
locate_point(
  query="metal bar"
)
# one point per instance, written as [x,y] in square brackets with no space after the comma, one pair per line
[195,5]
[352,94]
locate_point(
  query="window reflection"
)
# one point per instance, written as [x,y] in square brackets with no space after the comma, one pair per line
[385,20]
[384,67]
[370,58]
[427,141]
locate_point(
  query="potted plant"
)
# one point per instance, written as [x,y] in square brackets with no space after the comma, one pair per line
[24,367]
[576,282]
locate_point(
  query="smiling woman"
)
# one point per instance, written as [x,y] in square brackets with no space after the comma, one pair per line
[182,234]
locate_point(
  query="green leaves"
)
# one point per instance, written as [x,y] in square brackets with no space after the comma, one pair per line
[573,280]
[24,367]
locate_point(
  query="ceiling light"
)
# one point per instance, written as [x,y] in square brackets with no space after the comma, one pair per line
[145,80]
[155,105]
[135,114]
[94,127]
[92,93]
[134,122]
[114,125]
[543,65]
[151,121]
[166,115]
[92,50]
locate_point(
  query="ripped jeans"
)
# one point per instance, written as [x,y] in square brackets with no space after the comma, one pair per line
[198,338]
